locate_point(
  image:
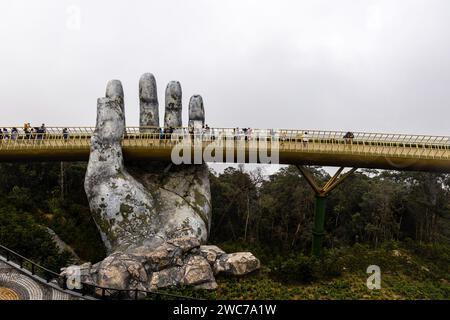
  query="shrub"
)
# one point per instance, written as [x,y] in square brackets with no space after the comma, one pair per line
[305,269]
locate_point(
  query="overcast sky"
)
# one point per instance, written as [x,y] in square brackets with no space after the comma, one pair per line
[379,66]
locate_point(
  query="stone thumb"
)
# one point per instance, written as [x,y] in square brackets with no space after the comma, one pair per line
[110,124]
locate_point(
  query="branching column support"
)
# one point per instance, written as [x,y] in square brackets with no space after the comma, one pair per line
[321,196]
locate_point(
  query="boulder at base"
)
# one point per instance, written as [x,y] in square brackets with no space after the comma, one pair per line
[176,262]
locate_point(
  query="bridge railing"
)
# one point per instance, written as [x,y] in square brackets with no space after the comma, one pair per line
[284,139]
[84,288]
[77,133]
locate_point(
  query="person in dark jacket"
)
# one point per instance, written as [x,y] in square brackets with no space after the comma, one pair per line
[65,134]
[348,137]
[5,134]
[27,130]
[14,133]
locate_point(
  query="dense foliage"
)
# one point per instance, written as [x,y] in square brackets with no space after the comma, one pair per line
[370,207]
[33,195]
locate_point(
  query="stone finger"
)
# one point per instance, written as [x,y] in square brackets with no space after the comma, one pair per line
[148,102]
[110,125]
[172,117]
[196,111]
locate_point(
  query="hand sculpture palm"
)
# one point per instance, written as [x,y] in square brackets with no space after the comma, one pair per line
[145,203]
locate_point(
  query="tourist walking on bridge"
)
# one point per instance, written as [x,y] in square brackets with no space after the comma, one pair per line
[191,133]
[213,135]
[348,137]
[5,134]
[305,139]
[14,133]
[65,134]
[245,133]
[27,130]
[207,132]
[43,130]
[40,132]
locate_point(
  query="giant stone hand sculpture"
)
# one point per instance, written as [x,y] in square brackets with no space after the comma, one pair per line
[152,216]
[148,203]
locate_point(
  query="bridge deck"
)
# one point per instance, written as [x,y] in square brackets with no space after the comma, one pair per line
[328,148]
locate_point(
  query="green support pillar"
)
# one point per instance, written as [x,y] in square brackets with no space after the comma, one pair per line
[319,225]
[321,200]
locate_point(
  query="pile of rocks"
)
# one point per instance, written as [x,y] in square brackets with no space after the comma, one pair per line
[180,261]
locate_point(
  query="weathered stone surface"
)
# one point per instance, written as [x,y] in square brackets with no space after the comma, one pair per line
[185,243]
[170,277]
[211,253]
[196,111]
[170,253]
[180,261]
[172,117]
[237,264]
[182,195]
[148,102]
[114,89]
[83,271]
[154,205]
[158,258]
[123,210]
[197,271]
[121,271]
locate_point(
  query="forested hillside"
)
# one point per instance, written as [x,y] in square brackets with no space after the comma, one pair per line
[370,207]
[397,219]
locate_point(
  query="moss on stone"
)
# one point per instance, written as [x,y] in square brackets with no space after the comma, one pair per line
[105,225]
[125,210]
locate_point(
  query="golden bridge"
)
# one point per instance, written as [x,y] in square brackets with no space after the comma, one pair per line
[299,147]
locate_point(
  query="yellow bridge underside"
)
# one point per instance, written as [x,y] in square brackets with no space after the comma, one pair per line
[324,148]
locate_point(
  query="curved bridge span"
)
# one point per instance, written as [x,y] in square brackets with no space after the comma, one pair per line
[300,147]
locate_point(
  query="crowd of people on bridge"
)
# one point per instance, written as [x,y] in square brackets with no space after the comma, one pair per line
[37,133]
[203,132]
[29,133]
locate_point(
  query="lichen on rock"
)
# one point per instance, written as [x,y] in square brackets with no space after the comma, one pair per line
[144,209]
[176,262]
